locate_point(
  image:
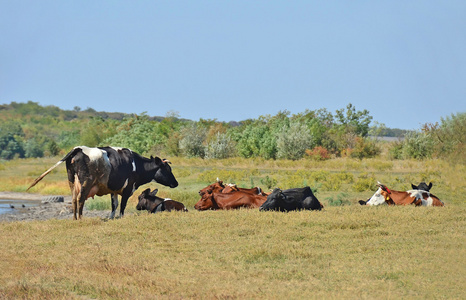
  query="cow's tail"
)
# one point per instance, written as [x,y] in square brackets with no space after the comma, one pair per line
[72,152]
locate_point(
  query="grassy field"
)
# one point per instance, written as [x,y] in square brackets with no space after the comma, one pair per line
[344,251]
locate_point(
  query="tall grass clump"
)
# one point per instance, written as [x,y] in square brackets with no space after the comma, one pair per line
[98,203]
[339,200]
[365,182]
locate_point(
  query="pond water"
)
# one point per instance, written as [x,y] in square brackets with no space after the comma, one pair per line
[6,205]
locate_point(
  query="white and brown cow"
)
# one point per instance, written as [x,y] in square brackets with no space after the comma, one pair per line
[110,170]
[386,196]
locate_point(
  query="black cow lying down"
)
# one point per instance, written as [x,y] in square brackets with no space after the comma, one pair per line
[292,199]
[110,170]
[150,202]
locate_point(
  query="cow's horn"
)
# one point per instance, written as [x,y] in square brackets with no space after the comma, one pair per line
[166,161]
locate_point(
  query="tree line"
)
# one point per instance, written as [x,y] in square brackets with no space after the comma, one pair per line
[31,130]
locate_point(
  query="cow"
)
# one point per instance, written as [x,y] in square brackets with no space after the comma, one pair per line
[384,195]
[233,200]
[422,186]
[214,187]
[378,198]
[110,170]
[234,188]
[149,201]
[292,199]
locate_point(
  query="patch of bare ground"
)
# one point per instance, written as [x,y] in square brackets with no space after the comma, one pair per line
[44,210]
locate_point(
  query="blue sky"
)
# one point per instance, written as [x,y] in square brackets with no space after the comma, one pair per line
[404,61]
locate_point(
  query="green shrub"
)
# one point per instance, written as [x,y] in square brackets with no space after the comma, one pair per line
[98,204]
[192,141]
[269,182]
[339,200]
[293,141]
[364,182]
[365,148]
[418,145]
[395,151]
[221,146]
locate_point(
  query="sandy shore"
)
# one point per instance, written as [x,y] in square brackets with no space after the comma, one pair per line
[21,196]
[44,210]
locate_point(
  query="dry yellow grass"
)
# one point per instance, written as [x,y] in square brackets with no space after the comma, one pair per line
[341,252]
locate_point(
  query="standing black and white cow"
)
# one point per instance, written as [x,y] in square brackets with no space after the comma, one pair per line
[291,199]
[110,170]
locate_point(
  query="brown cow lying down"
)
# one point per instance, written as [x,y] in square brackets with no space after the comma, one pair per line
[214,187]
[150,202]
[219,187]
[232,200]
[233,188]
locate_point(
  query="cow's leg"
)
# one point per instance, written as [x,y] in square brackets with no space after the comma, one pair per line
[124,199]
[81,207]
[74,197]
[75,208]
[83,195]
[114,205]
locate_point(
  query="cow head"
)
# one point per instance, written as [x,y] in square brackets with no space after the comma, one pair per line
[385,192]
[275,201]
[207,202]
[148,200]
[163,172]
[422,186]
[378,198]
[214,187]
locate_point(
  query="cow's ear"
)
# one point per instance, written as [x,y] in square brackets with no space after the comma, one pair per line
[413,186]
[430,185]
[154,192]
[157,160]
[146,191]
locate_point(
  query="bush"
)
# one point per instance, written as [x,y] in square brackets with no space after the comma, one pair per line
[293,141]
[449,137]
[364,183]
[221,146]
[136,133]
[33,149]
[256,140]
[395,151]
[418,145]
[192,141]
[365,148]
[319,153]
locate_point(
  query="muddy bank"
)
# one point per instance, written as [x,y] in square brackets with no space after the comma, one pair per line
[45,209]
